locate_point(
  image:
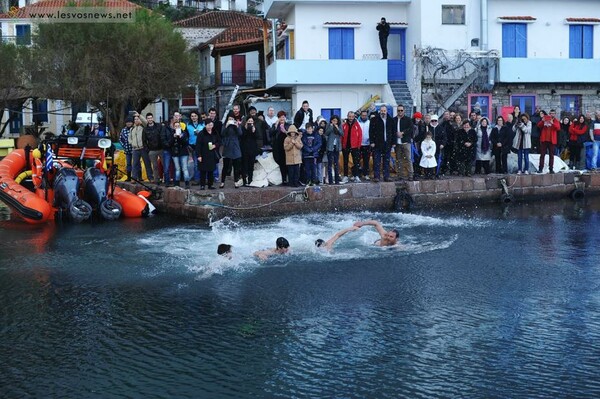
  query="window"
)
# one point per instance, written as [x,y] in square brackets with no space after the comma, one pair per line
[341,43]
[570,104]
[526,103]
[327,113]
[481,103]
[23,34]
[40,111]
[581,41]
[453,15]
[188,97]
[16,120]
[514,40]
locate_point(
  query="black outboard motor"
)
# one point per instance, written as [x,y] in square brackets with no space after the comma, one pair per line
[96,187]
[66,187]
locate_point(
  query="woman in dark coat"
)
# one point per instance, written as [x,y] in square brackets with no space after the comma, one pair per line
[207,148]
[501,138]
[465,141]
[278,135]
[250,148]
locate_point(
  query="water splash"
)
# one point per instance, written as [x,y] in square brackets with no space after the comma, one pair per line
[195,247]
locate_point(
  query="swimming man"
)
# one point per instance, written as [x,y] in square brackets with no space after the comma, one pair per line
[328,245]
[282,246]
[388,238]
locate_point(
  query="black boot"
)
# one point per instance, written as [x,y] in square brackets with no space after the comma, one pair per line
[128,176]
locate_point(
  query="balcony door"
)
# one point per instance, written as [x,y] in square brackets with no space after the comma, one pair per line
[397,54]
[238,69]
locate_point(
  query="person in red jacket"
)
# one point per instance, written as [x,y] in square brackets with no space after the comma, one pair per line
[549,127]
[351,145]
[577,130]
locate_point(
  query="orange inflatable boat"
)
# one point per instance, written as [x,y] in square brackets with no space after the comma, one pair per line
[73,186]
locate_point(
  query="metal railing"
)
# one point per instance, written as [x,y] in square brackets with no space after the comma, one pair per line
[230,78]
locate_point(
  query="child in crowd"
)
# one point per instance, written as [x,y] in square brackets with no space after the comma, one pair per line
[322,158]
[428,161]
[311,144]
[334,134]
[293,155]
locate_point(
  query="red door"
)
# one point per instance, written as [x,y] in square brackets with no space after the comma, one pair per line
[238,69]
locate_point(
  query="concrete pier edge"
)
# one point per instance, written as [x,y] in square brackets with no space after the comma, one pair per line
[254,203]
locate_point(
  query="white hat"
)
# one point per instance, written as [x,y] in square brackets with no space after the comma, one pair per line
[434,117]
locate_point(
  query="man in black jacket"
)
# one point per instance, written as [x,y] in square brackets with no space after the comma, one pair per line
[384,31]
[381,137]
[154,143]
[403,128]
[303,116]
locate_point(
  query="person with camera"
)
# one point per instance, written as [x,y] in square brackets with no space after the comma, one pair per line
[194,128]
[522,142]
[180,154]
[549,127]
[384,31]
[334,136]
[250,146]
[577,135]
[232,152]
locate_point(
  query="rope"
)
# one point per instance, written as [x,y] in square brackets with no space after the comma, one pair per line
[515,182]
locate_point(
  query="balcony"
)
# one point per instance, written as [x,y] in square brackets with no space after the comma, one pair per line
[230,78]
[286,73]
[549,70]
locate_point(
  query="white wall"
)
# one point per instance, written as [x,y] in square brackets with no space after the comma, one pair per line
[548,36]
[449,37]
[311,36]
[346,97]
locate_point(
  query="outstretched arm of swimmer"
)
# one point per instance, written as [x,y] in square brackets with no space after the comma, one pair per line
[373,223]
[338,235]
[264,254]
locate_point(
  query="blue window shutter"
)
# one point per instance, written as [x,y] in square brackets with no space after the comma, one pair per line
[575,41]
[508,40]
[521,40]
[588,41]
[348,43]
[335,43]
[326,113]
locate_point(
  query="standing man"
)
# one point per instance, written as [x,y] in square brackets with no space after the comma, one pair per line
[194,129]
[124,140]
[384,31]
[365,148]
[549,127]
[404,128]
[439,136]
[155,148]
[303,116]
[270,118]
[139,144]
[381,136]
[351,145]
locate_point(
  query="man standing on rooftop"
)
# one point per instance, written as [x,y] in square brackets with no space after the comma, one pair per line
[384,31]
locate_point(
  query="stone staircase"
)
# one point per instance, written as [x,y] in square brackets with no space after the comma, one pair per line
[401,93]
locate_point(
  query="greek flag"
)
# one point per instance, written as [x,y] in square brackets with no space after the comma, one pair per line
[49,158]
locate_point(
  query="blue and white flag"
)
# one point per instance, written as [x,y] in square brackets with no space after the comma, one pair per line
[49,158]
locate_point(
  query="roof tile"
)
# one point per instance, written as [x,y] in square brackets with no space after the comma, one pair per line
[596,20]
[518,18]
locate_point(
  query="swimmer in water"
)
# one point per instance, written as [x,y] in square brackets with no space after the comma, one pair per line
[388,238]
[282,246]
[328,245]
[225,250]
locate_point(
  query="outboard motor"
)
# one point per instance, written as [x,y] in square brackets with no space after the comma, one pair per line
[66,187]
[96,187]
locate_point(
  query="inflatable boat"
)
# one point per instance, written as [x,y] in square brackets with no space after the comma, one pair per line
[69,182]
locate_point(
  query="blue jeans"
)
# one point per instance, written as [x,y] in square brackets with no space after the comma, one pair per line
[595,148]
[523,156]
[193,168]
[167,166]
[310,169]
[128,162]
[386,163]
[320,172]
[181,163]
[333,159]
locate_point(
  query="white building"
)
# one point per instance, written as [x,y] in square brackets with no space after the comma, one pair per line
[447,53]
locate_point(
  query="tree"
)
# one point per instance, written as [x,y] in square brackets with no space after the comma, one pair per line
[15,86]
[113,66]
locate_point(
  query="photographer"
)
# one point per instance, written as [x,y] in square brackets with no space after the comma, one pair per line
[549,127]
[384,31]
[522,142]
[250,147]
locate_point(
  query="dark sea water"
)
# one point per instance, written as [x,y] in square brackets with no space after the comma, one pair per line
[477,303]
